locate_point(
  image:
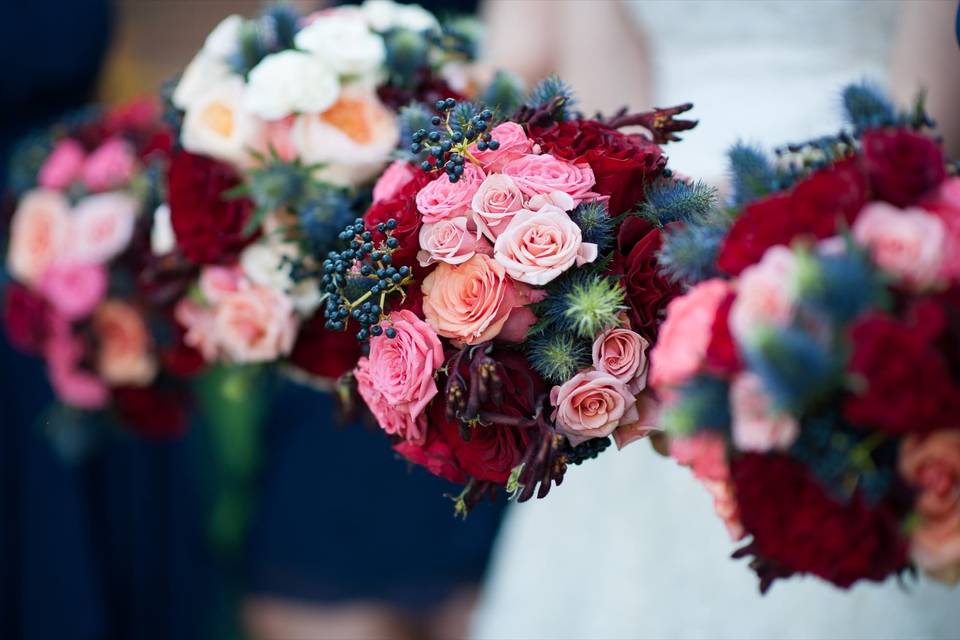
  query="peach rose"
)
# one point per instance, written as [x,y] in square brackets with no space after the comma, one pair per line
[931,464]
[473,302]
[39,233]
[397,379]
[110,166]
[124,357]
[74,290]
[757,426]
[254,324]
[101,226]
[513,144]
[443,199]
[495,203]
[449,241]
[909,243]
[766,295]
[395,178]
[62,166]
[623,354]
[648,407]
[217,124]
[685,334]
[544,174]
[592,404]
[538,246]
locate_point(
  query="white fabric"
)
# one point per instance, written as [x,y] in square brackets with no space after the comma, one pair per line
[628,546]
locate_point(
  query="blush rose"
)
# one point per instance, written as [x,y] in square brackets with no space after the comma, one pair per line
[448,241]
[495,203]
[442,199]
[592,404]
[544,174]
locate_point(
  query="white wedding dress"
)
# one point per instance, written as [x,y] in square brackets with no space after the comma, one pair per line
[628,546]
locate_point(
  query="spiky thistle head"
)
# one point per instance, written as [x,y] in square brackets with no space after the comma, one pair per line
[582,302]
[689,252]
[595,224]
[867,106]
[504,94]
[671,200]
[413,117]
[751,174]
[276,184]
[838,286]
[701,403]
[321,217]
[278,26]
[557,357]
[552,91]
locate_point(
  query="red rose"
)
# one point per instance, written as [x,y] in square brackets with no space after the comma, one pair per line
[25,318]
[152,412]
[435,455]
[623,164]
[797,526]
[647,292]
[902,165]
[322,352]
[813,208]
[907,385]
[209,226]
[722,356]
[402,207]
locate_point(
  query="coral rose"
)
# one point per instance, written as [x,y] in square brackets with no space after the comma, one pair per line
[592,404]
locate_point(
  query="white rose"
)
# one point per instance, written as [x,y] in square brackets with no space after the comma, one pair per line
[162,238]
[353,139]
[224,40]
[343,42]
[203,72]
[290,82]
[265,265]
[383,15]
[217,124]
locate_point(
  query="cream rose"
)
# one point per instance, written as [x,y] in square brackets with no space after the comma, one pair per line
[384,15]
[217,124]
[343,42]
[39,234]
[494,204]
[538,246]
[448,241]
[592,404]
[290,82]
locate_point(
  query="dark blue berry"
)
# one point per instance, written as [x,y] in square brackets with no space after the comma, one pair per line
[391,332]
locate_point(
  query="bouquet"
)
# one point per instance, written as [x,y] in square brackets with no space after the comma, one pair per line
[88,209]
[284,122]
[810,371]
[505,287]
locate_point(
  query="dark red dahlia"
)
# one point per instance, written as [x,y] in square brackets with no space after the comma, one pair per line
[814,207]
[322,352]
[906,382]
[402,207]
[153,412]
[902,166]
[25,318]
[623,164]
[798,528]
[435,455]
[647,291]
[208,224]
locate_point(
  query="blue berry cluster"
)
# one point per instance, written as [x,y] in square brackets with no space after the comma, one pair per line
[450,148]
[357,280]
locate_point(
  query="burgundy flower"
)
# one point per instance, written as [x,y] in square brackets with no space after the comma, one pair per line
[647,292]
[322,352]
[722,356]
[906,382]
[402,207]
[902,165]
[153,412]
[209,225]
[435,455]
[623,164]
[25,318]
[798,527]
[812,208]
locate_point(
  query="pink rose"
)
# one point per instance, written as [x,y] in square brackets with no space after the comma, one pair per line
[623,354]
[101,226]
[449,241]
[218,282]
[592,404]
[495,203]
[726,508]
[197,322]
[513,144]
[648,409]
[393,180]
[705,453]
[472,302]
[443,199]
[685,334]
[766,295]
[110,166]
[544,174]
[62,166]
[39,233]
[74,290]
[757,426]
[397,379]
[931,464]
[538,246]
[124,356]
[254,324]
[72,384]
[945,204]
[907,243]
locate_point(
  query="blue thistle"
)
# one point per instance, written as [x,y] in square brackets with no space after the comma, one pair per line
[670,200]
[702,403]
[407,52]
[583,302]
[278,26]
[841,286]
[413,117]
[504,94]
[558,356]
[751,174]
[867,107]
[322,216]
[553,90]
[689,252]
[277,185]
[595,224]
